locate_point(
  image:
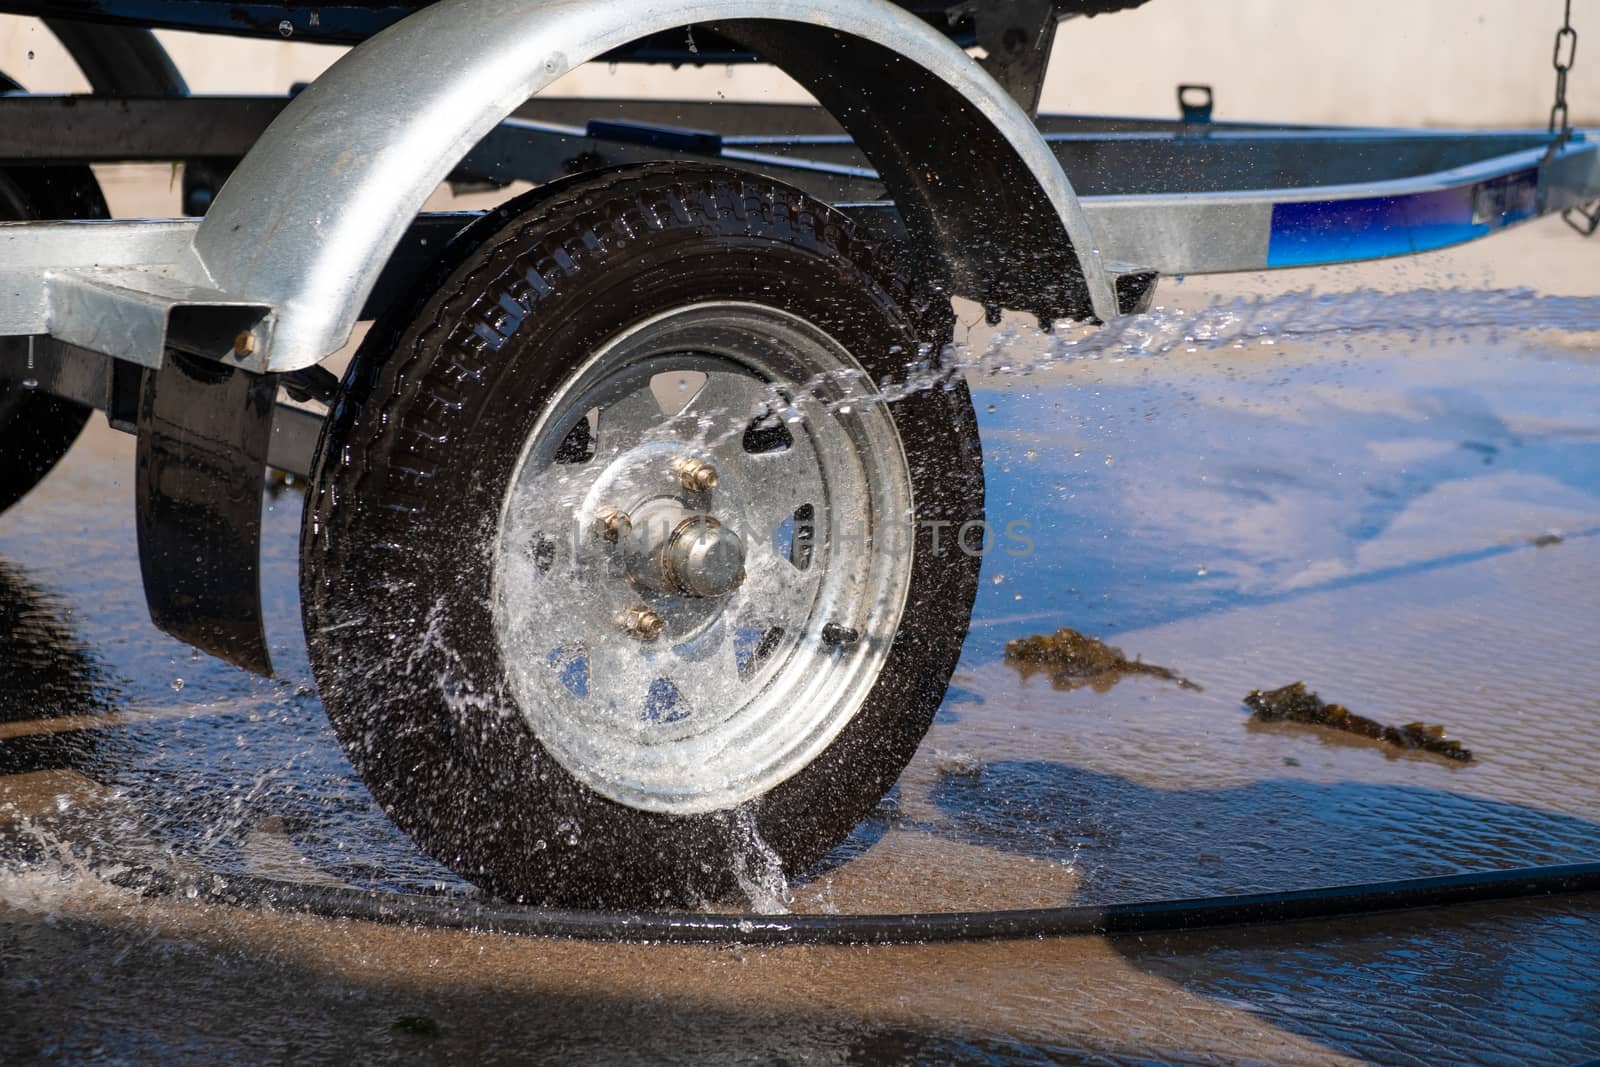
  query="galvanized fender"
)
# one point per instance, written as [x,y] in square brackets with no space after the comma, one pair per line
[311,215]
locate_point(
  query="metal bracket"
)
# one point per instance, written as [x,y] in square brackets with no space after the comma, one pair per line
[1584,218]
[204,433]
[1194,103]
[135,314]
[1018,38]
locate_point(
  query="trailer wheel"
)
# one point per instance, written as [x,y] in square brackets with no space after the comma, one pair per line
[36,430]
[608,571]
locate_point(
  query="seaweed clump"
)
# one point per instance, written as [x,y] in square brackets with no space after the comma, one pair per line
[1296,703]
[1073,659]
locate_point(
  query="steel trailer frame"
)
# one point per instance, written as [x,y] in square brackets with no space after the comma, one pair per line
[184,330]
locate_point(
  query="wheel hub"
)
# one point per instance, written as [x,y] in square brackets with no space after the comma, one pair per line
[672,550]
[703,557]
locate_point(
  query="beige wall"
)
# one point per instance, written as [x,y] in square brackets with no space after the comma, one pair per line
[1389,62]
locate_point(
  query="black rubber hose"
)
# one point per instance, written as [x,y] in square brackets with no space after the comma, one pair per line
[1327,902]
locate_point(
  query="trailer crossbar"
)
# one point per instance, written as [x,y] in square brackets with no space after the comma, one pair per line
[1198,204]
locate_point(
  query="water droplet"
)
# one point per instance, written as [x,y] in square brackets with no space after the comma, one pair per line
[30,383]
[286,28]
[1201,571]
[177,684]
[30,54]
[1108,459]
[990,409]
[999,578]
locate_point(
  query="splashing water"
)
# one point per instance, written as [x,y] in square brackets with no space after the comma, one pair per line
[1436,315]
[1431,316]
[757,867]
[48,873]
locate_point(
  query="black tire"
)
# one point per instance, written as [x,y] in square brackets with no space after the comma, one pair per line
[37,430]
[414,462]
[35,433]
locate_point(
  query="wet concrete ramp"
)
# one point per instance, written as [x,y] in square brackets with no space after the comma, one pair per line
[1414,533]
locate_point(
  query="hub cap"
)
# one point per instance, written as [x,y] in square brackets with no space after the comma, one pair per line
[701,557]
[705,498]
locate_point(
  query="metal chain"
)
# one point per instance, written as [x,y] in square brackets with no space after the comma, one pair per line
[1585,218]
[1566,38]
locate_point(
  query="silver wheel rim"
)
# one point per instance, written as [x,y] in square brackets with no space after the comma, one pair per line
[603,537]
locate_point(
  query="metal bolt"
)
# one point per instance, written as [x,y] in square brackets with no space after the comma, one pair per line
[696,474]
[836,636]
[642,623]
[244,344]
[612,524]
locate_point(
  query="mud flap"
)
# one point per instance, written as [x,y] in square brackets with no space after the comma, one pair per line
[201,469]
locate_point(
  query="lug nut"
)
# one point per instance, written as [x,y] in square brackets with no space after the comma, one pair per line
[696,475]
[642,623]
[612,525]
[836,636]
